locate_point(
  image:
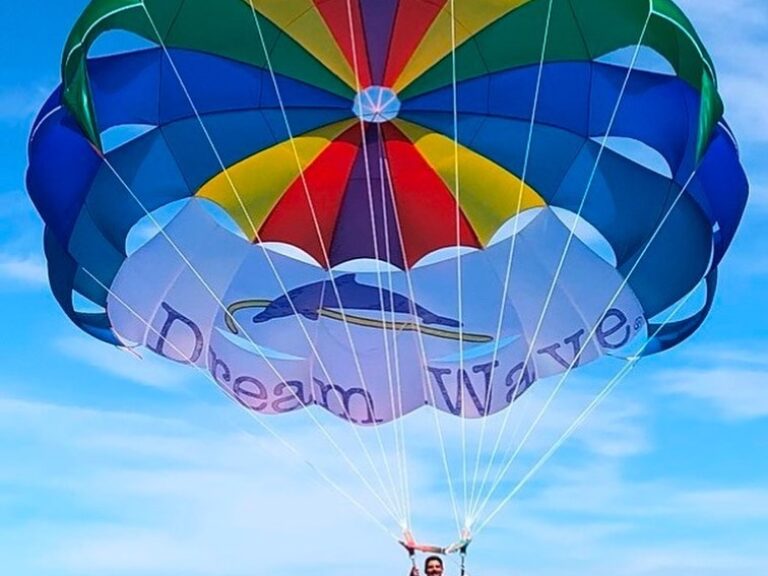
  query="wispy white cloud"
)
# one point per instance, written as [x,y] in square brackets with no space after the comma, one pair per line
[29,269]
[731,380]
[758,198]
[21,259]
[734,393]
[19,104]
[594,520]
[17,216]
[155,495]
[747,354]
[165,497]
[149,370]
[603,490]
[738,504]
[594,515]
[734,33]
[688,560]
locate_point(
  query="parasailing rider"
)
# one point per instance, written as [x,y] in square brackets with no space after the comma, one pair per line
[433,566]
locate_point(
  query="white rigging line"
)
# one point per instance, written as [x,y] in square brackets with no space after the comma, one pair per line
[258,418]
[609,387]
[589,337]
[399,427]
[390,506]
[429,391]
[310,203]
[402,453]
[565,251]
[375,236]
[326,257]
[459,282]
[505,292]
[403,505]
[221,305]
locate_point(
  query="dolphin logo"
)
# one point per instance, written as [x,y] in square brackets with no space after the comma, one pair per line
[312,299]
[323,299]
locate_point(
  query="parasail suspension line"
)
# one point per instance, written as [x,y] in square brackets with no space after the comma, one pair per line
[591,334]
[392,503]
[478,508]
[394,497]
[382,106]
[332,441]
[387,506]
[505,292]
[459,271]
[609,387]
[428,390]
[260,420]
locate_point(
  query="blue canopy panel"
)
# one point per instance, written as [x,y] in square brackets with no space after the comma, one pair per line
[721,188]
[626,201]
[592,91]
[666,336]
[57,189]
[89,211]
[658,110]
[143,88]
[62,270]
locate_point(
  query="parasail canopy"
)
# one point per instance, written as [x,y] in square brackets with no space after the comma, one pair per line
[384,204]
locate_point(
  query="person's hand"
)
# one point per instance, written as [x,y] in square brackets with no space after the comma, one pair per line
[414,571]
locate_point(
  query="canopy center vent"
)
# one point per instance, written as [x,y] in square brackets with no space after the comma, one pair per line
[376,104]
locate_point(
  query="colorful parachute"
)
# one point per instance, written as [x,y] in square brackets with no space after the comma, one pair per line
[432,164]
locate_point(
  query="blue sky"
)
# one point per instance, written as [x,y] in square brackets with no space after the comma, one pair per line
[114,465]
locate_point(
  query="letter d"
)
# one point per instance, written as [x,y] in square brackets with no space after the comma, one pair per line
[176,345]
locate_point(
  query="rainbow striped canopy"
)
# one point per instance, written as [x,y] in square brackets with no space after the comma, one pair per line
[389,129]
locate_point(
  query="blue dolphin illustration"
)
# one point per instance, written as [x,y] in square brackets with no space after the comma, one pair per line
[310,299]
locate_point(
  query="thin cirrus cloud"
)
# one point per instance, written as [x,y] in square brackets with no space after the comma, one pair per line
[201,503]
[735,33]
[730,380]
[598,488]
[149,370]
[759,198]
[19,104]
[29,270]
[687,560]
[21,260]
[594,514]
[733,393]
[593,518]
